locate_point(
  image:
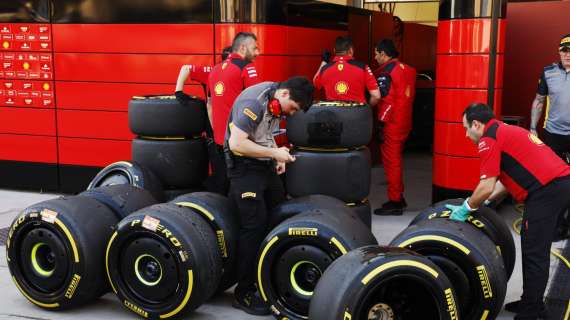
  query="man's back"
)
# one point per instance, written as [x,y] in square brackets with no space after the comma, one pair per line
[345,79]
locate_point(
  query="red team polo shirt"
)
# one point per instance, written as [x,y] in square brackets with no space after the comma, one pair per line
[522,162]
[226,81]
[345,79]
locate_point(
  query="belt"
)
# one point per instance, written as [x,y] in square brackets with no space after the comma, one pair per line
[253,161]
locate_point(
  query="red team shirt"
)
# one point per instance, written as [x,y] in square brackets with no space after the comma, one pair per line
[522,162]
[345,79]
[225,82]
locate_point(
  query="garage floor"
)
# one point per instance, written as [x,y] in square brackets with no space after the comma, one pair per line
[418,195]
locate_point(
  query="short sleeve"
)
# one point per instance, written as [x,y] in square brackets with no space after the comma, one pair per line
[490,156]
[371,83]
[250,76]
[542,85]
[201,73]
[247,115]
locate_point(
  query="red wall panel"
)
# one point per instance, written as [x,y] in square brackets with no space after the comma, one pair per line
[93,124]
[419,46]
[134,38]
[296,65]
[110,96]
[467,71]
[457,173]
[92,152]
[138,68]
[27,121]
[450,103]
[28,148]
[450,139]
[464,36]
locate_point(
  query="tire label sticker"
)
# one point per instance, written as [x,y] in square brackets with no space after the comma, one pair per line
[451,307]
[72,286]
[485,284]
[303,232]
[150,223]
[48,215]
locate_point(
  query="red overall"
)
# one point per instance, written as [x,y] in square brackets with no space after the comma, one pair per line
[397,87]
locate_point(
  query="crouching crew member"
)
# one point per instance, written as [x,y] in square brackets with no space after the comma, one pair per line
[254,162]
[531,172]
[397,82]
[345,78]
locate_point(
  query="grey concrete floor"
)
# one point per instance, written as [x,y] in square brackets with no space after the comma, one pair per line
[418,194]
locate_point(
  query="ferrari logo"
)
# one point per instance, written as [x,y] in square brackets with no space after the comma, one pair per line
[219,88]
[341,87]
[340,66]
[535,139]
[224,65]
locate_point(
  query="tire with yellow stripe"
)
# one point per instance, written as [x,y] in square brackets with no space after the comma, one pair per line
[56,251]
[485,220]
[470,260]
[163,262]
[295,254]
[178,163]
[331,124]
[363,211]
[217,211]
[149,114]
[376,282]
[128,172]
[293,207]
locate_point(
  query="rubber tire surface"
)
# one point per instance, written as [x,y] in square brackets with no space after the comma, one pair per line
[134,173]
[198,245]
[343,175]
[123,199]
[344,227]
[464,245]
[293,207]
[341,290]
[331,125]
[171,194]
[165,116]
[485,220]
[364,212]
[80,221]
[217,212]
[177,163]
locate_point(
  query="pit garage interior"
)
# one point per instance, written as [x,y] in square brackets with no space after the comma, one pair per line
[64,116]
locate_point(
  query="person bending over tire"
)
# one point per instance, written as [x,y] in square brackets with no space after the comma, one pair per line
[531,172]
[254,162]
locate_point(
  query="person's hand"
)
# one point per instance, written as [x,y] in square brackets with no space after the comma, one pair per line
[326,56]
[533,131]
[282,155]
[459,213]
[185,71]
[280,167]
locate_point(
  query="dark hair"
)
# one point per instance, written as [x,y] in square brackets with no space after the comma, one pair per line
[240,39]
[388,47]
[342,44]
[478,111]
[226,52]
[300,91]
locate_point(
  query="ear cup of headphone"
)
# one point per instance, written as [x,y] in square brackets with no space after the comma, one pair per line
[274,107]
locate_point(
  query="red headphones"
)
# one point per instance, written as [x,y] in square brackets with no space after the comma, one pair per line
[274,107]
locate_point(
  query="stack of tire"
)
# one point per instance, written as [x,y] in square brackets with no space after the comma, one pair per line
[332,159]
[56,248]
[165,260]
[456,271]
[310,233]
[169,141]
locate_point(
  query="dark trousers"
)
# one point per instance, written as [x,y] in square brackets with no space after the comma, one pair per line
[218,182]
[542,211]
[255,189]
[558,143]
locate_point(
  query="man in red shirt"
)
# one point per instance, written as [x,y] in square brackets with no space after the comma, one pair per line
[344,78]
[397,83]
[531,172]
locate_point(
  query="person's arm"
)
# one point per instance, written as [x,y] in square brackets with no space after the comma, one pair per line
[316,76]
[183,75]
[499,192]
[372,87]
[482,192]
[536,112]
[250,76]
[239,143]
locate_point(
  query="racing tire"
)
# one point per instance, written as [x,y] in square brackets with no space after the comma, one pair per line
[217,211]
[343,175]
[485,220]
[334,124]
[123,199]
[171,194]
[295,254]
[56,249]
[149,114]
[376,282]
[293,207]
[125,172]
[470,261]
[163,262]
[177,163]
[363,211]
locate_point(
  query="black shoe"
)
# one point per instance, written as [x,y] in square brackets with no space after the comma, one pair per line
[251,303]
[515,307]
[391,208]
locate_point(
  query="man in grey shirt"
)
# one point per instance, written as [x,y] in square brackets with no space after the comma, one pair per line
[254,163]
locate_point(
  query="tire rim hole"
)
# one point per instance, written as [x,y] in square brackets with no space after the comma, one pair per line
[148,270]
[43,259]
[381,311]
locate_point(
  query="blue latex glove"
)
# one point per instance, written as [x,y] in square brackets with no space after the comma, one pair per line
[459,213]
